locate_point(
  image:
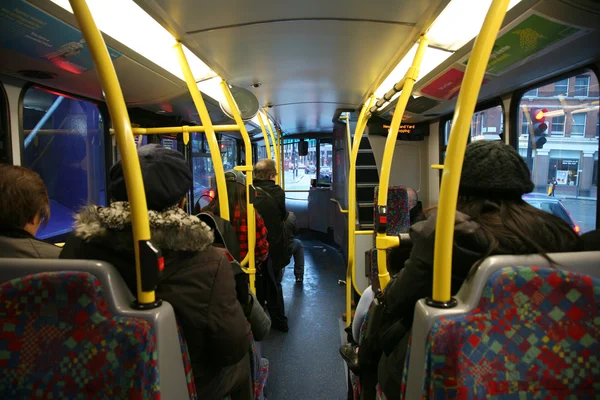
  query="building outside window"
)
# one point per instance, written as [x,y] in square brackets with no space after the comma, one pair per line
[531,93]
[578,125]
[561,88]
[582,86]
[558,125]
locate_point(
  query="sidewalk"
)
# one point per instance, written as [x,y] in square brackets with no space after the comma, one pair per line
[576,198]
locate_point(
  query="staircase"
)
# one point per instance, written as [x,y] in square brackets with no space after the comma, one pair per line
[367,178]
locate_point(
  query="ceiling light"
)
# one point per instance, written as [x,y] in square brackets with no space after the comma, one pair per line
[460,22]
[212,88]
[431,59]
[126,22]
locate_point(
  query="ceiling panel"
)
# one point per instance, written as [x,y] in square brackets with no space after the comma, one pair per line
[192,15]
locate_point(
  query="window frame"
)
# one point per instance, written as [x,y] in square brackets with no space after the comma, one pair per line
[560,94]
[5,110]
[515,105]
[582,135]
[558,133]
[587,86]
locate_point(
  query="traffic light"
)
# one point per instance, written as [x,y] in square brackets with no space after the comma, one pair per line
[538,119]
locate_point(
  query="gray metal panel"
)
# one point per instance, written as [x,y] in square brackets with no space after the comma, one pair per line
[468,298]
[173,384]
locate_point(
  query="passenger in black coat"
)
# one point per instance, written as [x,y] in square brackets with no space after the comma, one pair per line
[491,219]
[197,280]
[270,204]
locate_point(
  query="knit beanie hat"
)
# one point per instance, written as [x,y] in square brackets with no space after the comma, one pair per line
[166,175]
[492,169]
[235,176]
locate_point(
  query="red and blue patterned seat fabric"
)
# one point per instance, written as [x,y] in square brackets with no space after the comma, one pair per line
[59,340]
[259,369]
[398,219]
[534,334]
[187,364]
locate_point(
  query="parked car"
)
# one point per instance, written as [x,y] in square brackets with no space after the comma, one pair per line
[310,169]
[552,205]
[325,175]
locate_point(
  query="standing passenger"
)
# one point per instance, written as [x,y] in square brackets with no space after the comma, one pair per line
[295,246]
[270,203]
[24,206]
[197,279]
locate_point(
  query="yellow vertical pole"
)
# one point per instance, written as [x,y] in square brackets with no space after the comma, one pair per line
[125,142]
[250,212]
[280,151]
[382,242]
[209,131]
[351,269]
[348,136]
[265,135]
[276,147]
[463,113]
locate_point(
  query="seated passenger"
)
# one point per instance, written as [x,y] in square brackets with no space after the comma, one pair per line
[590,241]
[197,279]
[491,219]
[24,206]
[295,246]
[415,207]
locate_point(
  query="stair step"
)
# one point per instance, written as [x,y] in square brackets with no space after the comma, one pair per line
[360,151]
[367,184]
[366,204]
[366,167]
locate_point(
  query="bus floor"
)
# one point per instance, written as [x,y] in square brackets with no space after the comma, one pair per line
[304,363]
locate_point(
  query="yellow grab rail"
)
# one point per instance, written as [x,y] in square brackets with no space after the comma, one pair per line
[281,157]
[278,181]
[463,113]
[127,148]
[382,241]
[348,136]
[265,135]
[211,138]
[351,268]
[250,213]
[179,129]
[339,206]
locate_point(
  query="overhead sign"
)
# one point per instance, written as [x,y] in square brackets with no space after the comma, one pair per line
[446,86]
[32,32]
[530,36]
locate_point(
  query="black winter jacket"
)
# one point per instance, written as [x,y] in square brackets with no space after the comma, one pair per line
[197,281]
[18,243]
[271,206]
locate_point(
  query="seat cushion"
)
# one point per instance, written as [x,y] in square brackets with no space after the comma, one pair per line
[535,333]
[58,339]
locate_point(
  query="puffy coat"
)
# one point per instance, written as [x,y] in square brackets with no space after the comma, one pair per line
[17,243]
[197,281]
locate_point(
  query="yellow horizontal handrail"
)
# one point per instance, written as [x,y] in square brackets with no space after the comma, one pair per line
[382,241]
[120,119]
[437,166]
[180,129]
[364,233]
[459,133]
[339,206]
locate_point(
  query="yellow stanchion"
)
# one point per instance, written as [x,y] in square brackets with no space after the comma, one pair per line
[126,144]
[265,135]
[461,122]
[276,147]
[179,129]
[250,213]
[351,268]
[211,138]
[382,241]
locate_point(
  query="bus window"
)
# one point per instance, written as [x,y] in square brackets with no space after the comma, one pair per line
[5,150]
[558,138]
[299,170]
[326,162]
[63,141]
[262,152]
[486,124]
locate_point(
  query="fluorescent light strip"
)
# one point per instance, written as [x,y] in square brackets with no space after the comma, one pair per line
[126,22]
[460,22]
[431,59]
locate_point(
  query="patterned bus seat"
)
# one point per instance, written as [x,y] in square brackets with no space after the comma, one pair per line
[517,320]
[58,339]
[535,332]
[95,345]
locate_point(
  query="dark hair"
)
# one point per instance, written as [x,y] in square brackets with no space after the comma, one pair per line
[264,169]
[236,197]
[23,196]
[512,226]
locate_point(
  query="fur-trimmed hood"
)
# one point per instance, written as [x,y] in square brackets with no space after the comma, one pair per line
[172,229]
